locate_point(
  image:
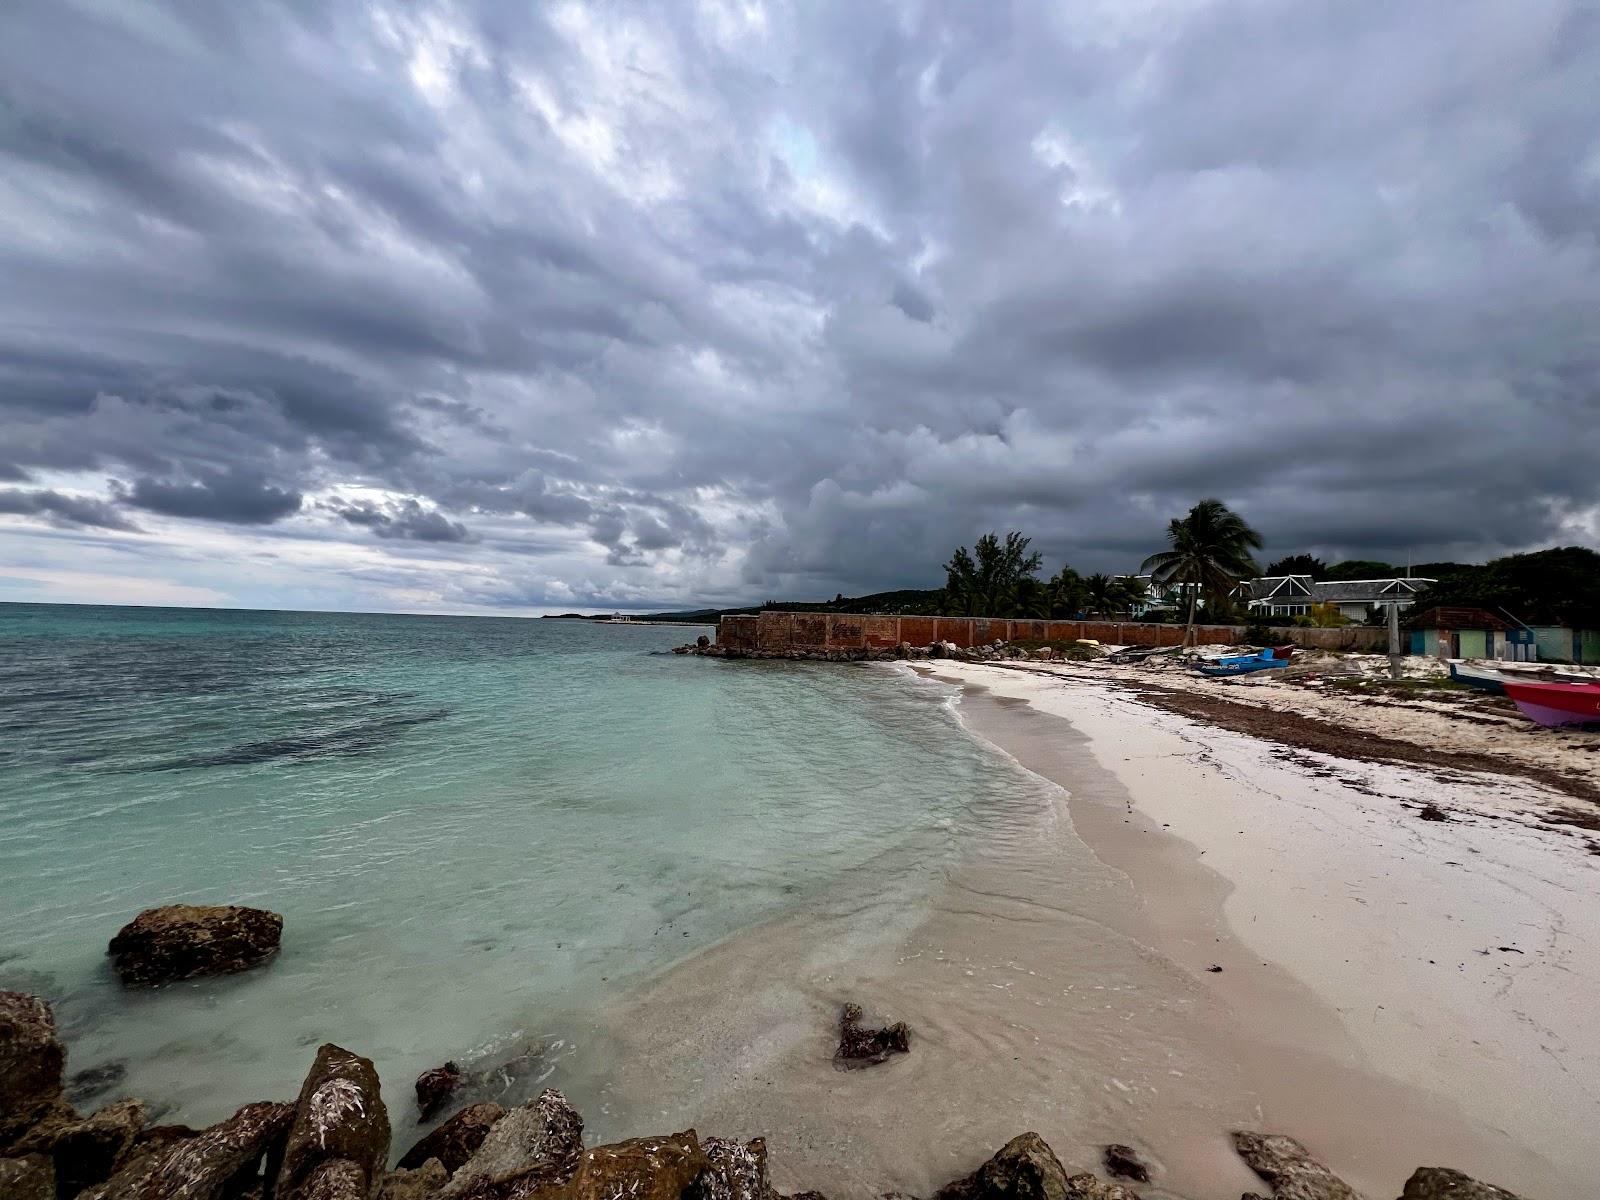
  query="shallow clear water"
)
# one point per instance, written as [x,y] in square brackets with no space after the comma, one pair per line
[476,829]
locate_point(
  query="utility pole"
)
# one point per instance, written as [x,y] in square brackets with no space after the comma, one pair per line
[1394,641]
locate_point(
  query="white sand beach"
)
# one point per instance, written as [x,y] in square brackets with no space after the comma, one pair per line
[1393,991]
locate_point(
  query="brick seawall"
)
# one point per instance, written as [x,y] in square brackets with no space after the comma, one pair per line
[781,632]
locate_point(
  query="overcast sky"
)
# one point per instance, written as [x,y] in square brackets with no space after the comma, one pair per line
[514,307]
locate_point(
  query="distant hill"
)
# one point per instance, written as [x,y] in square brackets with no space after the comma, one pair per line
[906,601]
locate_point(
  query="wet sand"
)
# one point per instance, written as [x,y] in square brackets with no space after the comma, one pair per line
[1058,980]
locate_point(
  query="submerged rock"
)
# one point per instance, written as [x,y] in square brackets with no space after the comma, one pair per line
[1441,1183]
[182,941]
[94,1081]
[1289,1168]
[457,1140]
[435,1086]
[32,1060]
[340,1135]
[536,1145]
[1127,1162]
[860,1047]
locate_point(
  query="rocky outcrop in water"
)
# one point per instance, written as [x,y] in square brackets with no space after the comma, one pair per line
[1126,1163]
[339,1142]
[1289,1168]
[860,1047]
[435,1087]
[537,1145]
[457,1140]
[182,941]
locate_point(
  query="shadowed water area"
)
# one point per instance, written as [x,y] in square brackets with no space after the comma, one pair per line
[478,830]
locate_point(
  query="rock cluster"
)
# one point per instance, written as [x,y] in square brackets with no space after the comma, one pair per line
[996,651]
[182,941]
[333,1141]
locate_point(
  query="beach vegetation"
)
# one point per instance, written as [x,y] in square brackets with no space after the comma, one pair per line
[1208,554]
[1298,564]
[993,578]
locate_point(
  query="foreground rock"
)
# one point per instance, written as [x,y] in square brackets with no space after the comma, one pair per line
[1441,1183]
[534,1146]
[419,1184]
[339,1141]
[860,1047]
[435,1086]
[174,1163]
[738,1170]
[32,1062]
[84,1151]
[457,1140]
[182,941]
[27,1178]
[1025,1168]
[1289,1168]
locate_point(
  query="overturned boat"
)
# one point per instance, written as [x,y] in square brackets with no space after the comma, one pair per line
[1245,664]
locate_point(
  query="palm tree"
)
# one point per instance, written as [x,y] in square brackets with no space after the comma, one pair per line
[1210,552]
[1101,592]
[1068,595]
[1130,593]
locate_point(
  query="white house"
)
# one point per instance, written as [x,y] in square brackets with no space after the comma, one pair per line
[1293,595]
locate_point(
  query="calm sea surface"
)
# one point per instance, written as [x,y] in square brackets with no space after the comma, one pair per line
[475,828]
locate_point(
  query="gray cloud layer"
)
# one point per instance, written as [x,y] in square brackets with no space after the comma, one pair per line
[670,302]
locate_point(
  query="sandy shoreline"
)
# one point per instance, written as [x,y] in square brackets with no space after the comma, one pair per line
[1458,956]
[1059,980]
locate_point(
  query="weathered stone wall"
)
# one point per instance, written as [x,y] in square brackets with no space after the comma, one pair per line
[780,631]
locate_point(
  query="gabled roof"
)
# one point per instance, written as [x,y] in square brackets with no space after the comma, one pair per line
[1280,587]
[1354,590]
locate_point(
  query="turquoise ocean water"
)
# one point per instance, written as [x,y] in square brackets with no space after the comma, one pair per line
[476,829]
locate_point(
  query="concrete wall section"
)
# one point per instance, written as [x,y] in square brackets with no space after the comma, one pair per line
[779,632]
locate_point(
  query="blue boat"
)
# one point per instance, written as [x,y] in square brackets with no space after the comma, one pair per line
[1244,664]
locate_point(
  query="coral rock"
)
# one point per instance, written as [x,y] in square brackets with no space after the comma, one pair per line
[435,1086]
[27,1178]
[1025,1168]
[181,941]
[1289,1168]
[1441,1183]
[1126,1162]
[457,1140]
[85,1150]
[530,1147]
[206,1165]
[32,1060]
[866,1047]
[420,1184]
[738,1169]
[339,1117]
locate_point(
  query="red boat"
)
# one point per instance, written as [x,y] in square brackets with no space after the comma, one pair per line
[1557,703]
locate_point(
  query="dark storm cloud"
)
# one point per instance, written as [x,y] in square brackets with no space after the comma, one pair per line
[406,520]
[239,496]
[64,510]
[732,301]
